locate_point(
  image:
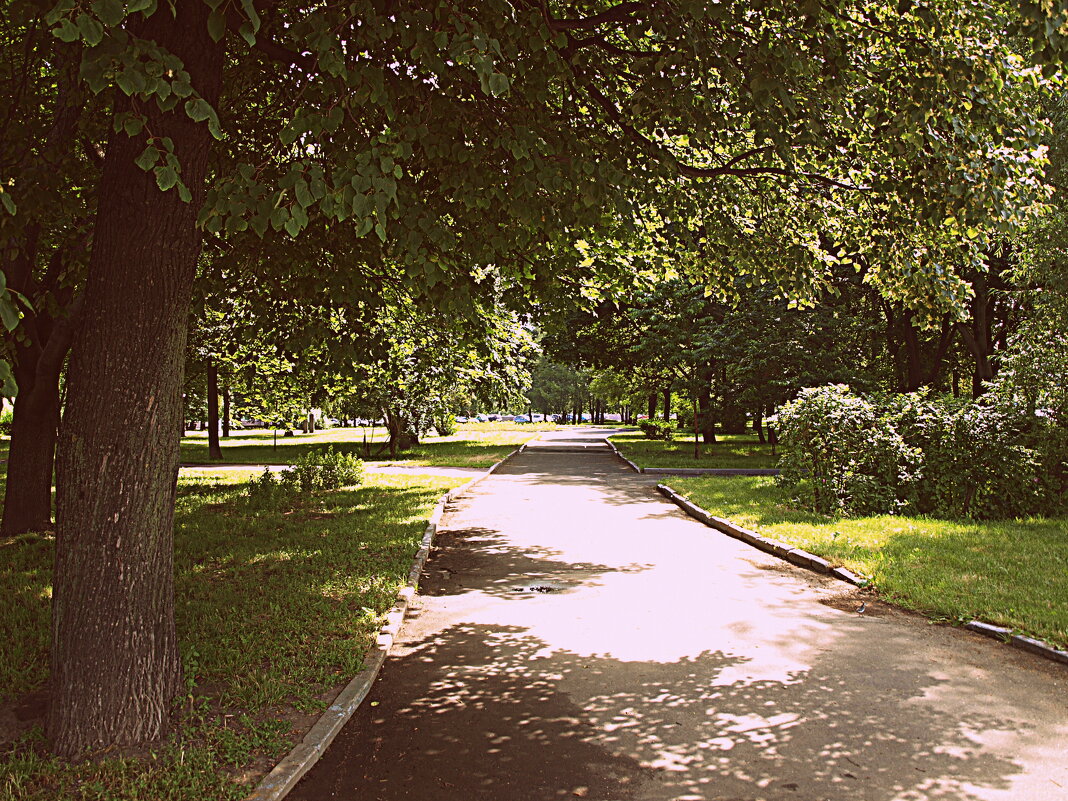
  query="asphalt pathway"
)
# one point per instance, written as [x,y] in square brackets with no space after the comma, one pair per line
[579,637]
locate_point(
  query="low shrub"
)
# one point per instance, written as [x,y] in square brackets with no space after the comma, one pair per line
[317,470]
[6,416]
[445,425]
[844,453]
[839,456]
[657,429]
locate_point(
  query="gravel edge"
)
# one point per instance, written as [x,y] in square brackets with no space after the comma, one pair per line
[285,775]
[815,563]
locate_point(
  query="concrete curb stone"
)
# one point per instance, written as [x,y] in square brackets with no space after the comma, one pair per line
[693,471]
[711,471]
[285,775]
[817,564]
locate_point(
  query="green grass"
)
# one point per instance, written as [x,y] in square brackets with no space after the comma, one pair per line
[1011,573]
[275,608]
[474,445]
[731,450]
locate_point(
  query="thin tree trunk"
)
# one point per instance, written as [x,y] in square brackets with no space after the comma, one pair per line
[667,404]
[35,426]
[214,449]
[652,405]
[115,663]
[226,411]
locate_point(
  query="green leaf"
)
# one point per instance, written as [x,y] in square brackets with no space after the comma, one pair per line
[8,387]
[9,314]
[92,32]
[198,109]
[8,203]
[248,33]
[304,197]
[292,227]
[110,12]
[148,158]
[133,125]
[166,177]
[498,84]
[217,24]
[66,31]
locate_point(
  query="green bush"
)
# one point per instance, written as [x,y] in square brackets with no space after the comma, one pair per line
[657,429]
[978,456]
[445,425]
[317,470]
[848,454]
[839,456]
[325,470]
[6,416]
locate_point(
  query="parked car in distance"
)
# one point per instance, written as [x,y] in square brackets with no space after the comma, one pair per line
[522,418]
[537,418]
[481,418]
[460,419]
[493,418]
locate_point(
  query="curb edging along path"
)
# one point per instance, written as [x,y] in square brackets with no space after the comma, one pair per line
[693,471]
[285,775]
[809,561]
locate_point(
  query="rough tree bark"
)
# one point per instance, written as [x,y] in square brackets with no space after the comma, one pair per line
[115,663]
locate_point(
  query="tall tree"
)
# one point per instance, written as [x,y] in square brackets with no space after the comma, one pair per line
[469,141]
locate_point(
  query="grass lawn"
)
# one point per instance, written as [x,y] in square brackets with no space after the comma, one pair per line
[731,450]
[473,445]
[1011,573]
[275,608]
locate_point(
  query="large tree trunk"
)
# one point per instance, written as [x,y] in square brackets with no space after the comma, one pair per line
[115,663]
[214,448]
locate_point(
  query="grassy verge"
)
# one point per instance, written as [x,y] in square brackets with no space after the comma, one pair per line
[1011,573]
[275,609]
[477,445]
[731,450]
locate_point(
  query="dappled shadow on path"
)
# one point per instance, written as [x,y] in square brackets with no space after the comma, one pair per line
[491,712]
[481,559]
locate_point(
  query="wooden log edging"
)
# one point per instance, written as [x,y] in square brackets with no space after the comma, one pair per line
[804,559]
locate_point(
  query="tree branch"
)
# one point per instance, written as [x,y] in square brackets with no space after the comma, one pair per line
[624,12]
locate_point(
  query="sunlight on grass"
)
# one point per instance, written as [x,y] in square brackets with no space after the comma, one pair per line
[1012,573]
[473,445]
[275,608]
[729,451]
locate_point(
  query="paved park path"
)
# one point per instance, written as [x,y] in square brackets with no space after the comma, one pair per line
[579,637]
